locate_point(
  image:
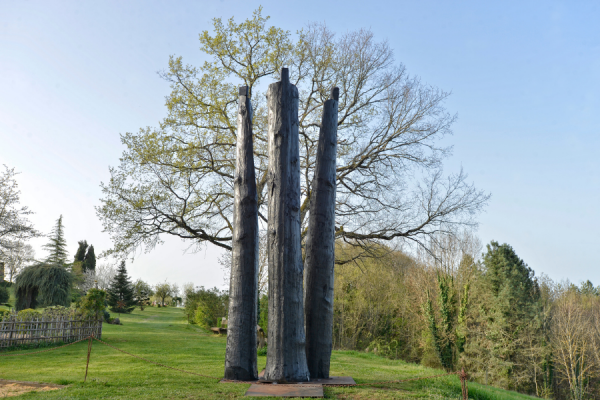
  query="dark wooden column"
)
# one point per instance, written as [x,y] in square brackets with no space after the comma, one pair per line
[286,358]
[240,358]
[320,245]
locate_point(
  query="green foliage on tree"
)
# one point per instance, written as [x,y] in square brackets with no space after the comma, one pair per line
[4,294]
[446,326]
[94,303]
[57,245]
[587,289]
[162,291]
[43,285]
[89,261]
[263,313]
[507,327]
[14,224]
[206,307]
[141,293]
[120,292]
[390,124]
[80,254]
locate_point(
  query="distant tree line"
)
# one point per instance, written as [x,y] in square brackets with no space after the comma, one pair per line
[456,307]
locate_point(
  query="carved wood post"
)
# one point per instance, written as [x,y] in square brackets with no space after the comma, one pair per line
[286,357]
[320,245]
[240,358]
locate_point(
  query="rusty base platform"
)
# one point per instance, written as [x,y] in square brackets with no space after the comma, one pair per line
[294,389]
[279,390]
[335,380]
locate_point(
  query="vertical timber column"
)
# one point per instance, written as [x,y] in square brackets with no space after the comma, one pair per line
[286,357]
[240,357]
[320,245]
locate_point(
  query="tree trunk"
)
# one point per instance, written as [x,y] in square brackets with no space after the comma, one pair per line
[286,358]
[240,358]
[320,245]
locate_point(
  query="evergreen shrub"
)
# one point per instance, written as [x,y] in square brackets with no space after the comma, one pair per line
[120,293]
[93,304]
[4,295]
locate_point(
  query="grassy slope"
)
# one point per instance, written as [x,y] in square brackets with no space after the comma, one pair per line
[162,335]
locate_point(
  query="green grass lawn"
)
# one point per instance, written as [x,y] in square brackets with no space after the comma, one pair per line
[162,335]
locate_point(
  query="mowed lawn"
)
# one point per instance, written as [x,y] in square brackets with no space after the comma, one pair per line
[163,335]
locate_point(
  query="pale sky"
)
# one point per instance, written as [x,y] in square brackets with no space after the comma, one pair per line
[524,77]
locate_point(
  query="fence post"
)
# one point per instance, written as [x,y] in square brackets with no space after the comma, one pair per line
[91,338]
[463,384]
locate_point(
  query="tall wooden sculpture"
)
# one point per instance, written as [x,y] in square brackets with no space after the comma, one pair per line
[240,358]
[286,357]
[320,244]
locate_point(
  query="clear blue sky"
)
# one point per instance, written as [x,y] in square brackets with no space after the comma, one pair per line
[524,76]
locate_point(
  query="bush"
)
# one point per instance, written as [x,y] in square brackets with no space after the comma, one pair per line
[58,311]
[106,315]
[93,304]
[206,307]
[28,313]
[262,352]
[76,296]
[4,314]
[4,295]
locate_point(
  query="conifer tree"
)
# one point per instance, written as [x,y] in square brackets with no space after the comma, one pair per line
[506,331]
[79,256]
[120,292]
[89,261]
[57,246]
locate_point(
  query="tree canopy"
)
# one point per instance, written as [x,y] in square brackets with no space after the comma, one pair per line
[89,261]
[15,227]
[80,255]
[43,285]
[120,293]
[177,178]
[57,245]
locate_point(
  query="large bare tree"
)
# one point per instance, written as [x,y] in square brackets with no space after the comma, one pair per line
[177,178]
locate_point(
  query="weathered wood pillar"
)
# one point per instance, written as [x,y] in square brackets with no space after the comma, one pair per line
[320,245]
[240,358]
[286,357]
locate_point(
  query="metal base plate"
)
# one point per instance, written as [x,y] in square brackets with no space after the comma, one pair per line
[278,390]
[335,380]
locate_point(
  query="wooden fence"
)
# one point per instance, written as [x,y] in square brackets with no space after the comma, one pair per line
[16,331]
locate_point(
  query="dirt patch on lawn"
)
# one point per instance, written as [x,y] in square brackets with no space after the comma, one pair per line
[17,388]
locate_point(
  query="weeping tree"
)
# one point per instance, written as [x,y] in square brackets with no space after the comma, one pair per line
[43,285]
